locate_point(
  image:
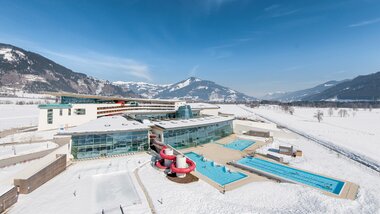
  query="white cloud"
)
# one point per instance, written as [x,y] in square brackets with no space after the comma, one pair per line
[106,63]
[367,22]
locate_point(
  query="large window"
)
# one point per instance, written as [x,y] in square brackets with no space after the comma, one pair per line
[188,137]
[97,145]
[50,116]
[80,111]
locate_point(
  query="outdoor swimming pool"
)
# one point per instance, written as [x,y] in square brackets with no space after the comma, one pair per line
[217,173]
[239,144]
[293,175]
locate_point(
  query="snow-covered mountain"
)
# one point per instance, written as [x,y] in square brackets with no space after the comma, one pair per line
[300,95]
[362,88]
[190,89]
[144,89]
[31,72]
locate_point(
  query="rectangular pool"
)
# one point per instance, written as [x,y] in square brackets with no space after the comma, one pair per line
[218,173]
[239,144]
[293,175]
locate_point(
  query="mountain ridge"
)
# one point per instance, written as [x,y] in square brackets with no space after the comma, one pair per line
[32,72]
[192,88]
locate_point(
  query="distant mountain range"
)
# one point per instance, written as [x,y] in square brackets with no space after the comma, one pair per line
[189,89]
[31,72]
[34,73]
[301,94]
[361,88]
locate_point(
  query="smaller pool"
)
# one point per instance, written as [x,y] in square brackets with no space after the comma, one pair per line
[218,173]
[294,175]
[239,144]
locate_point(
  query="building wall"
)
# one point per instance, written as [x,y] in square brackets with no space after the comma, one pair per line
[98,145]
[27,185]
[95,110]
[8,199]
[188,137]
[65,120]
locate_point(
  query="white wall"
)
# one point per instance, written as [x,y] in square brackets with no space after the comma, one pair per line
[66,120]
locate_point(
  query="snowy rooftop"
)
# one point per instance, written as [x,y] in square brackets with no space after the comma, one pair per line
[203,106]
[107,124]
[191,122]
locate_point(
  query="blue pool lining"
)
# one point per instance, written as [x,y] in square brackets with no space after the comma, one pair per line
[249,168]
[244,176]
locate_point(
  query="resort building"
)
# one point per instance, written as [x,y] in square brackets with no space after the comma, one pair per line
[193,132]
[75,109]
[108,136]
[105,126]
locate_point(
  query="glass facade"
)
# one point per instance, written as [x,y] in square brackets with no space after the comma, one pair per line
[68,100]
[98,145]
[154,116]
[188,137]
[184,112]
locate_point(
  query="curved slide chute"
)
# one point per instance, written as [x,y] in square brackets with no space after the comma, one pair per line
[191,167]
[161,163]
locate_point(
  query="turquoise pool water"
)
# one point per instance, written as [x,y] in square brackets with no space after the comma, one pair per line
[219,174]
[239,144]
[292,174]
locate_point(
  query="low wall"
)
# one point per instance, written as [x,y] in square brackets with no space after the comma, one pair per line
[27,185]
[8,199]
[258,133]
[24,158]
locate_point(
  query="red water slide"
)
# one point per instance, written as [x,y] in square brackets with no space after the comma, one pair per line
[160,163]
[191,167]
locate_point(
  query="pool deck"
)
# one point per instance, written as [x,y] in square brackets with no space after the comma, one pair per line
[217,152]
[213,150]
[349,191]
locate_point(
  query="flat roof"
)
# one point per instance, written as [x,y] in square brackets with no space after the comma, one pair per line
[203,106]
[194,122]
[107,124]
[59,94]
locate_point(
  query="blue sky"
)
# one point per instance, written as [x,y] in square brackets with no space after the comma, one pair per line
[252,46]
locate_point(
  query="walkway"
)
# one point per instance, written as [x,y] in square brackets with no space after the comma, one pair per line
[148,198]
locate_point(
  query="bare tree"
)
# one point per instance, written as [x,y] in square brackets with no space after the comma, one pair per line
[288,109]
[291,110]
[319,115]
[343,113]
[330,112]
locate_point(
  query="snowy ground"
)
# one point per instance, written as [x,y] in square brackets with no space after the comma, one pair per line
[14,116]
[8,151]
[234,109]
[89,187]
[29,136]
[359,132]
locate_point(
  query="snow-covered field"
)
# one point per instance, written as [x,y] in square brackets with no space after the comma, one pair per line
[359,132]
[8,151]
[89,187]
[29,136]
[14,116]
